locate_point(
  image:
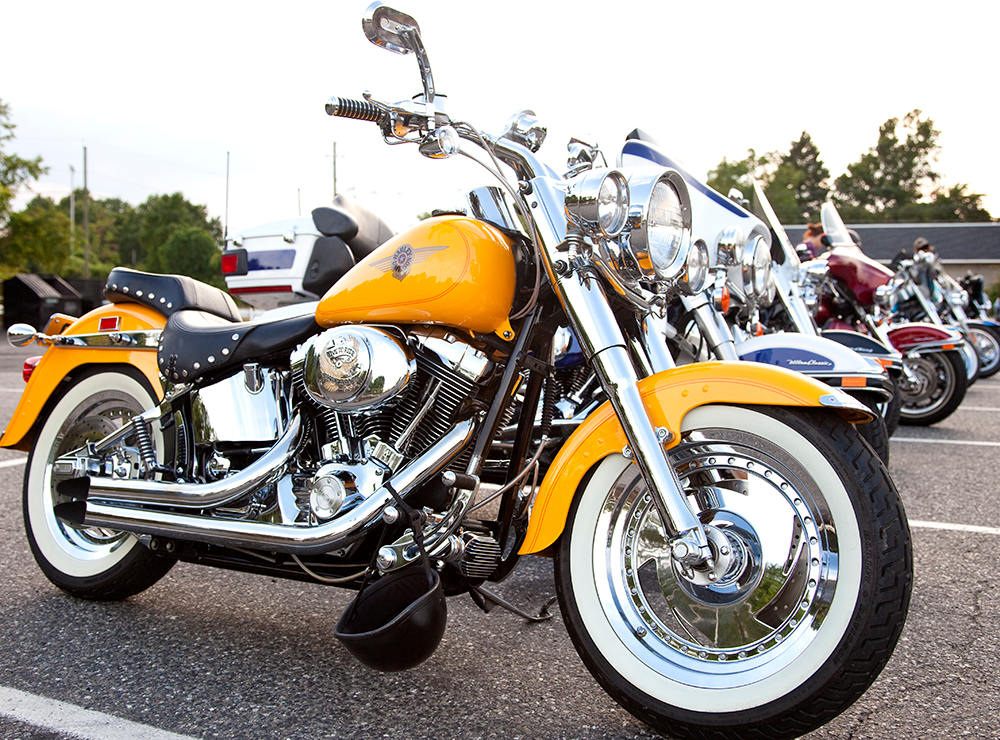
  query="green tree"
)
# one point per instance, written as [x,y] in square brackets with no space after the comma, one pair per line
[193,251]
[159,217]
[781,190]
[740,173]
[954,204]
[809,184]
[14,171]
[37,240]
[889,180]
[114,232]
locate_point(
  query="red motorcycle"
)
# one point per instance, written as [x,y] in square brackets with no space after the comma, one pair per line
[855,293]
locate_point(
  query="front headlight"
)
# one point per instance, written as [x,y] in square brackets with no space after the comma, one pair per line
[694,278]
[598,201]
[757,268]
[730,246]
[659,223]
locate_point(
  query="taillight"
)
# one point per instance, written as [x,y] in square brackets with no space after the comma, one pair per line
[29,367]
[230,264]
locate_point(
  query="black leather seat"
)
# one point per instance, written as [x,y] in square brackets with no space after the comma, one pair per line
[169,293]
[197,344]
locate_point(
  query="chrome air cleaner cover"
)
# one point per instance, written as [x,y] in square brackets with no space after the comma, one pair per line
[354,368]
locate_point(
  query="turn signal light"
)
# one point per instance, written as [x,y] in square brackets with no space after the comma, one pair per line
[721,298]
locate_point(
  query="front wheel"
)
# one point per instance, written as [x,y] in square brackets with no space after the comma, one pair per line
[933,387]
[987,343]
[809,594]
[88,562]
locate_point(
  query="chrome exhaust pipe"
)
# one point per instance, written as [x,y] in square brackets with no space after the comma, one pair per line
[264,471]
[298,539]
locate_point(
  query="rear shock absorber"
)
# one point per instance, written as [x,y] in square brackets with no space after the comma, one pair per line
[144,442]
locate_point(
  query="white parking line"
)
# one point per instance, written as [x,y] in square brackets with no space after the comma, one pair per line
[946,441]
[955,527]
[13,463]
[978,408]
[70,719]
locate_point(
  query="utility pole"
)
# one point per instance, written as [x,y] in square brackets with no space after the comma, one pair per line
[225,228]
[86,219]
[72,213]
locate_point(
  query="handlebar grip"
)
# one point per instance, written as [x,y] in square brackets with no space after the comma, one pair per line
[360,110]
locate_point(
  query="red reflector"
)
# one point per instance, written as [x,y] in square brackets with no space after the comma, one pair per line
[262,289]
[109,323]
[759,329]
[29,367]
[230,263]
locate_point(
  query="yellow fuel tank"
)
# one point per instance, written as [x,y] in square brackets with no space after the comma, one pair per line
[446,270]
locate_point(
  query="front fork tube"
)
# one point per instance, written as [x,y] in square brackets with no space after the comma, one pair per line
[606,348]
[712,325]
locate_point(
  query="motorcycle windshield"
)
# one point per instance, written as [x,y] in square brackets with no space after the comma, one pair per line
[760,206]
[834,227]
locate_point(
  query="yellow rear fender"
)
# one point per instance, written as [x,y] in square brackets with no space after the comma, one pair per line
[108,335]
[668,396]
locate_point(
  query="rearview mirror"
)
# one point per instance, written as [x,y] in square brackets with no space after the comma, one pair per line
[390,28]
[398,32]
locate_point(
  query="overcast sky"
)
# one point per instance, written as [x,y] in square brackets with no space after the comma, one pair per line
[160,92]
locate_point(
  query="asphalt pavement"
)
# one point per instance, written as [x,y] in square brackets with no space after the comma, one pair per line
[208,653]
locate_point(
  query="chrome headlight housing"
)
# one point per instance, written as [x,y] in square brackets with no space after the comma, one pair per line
[598,201]
[659,224]
[730,246]
[757,268]
[694,277]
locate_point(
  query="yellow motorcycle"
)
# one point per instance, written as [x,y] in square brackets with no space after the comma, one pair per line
[730,556]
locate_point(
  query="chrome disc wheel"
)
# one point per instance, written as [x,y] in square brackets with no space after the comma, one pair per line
[811,569]
[89,562]
[104,413]
[777,553]
[987,344]
[929,387]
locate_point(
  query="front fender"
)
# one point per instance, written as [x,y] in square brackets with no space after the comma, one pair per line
[59,361]
[668,396]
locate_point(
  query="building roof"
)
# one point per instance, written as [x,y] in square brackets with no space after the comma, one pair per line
[963,242]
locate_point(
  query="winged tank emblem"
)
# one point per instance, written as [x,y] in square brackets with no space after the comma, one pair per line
[403,259]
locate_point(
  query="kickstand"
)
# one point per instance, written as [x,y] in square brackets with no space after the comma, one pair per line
[486,600]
